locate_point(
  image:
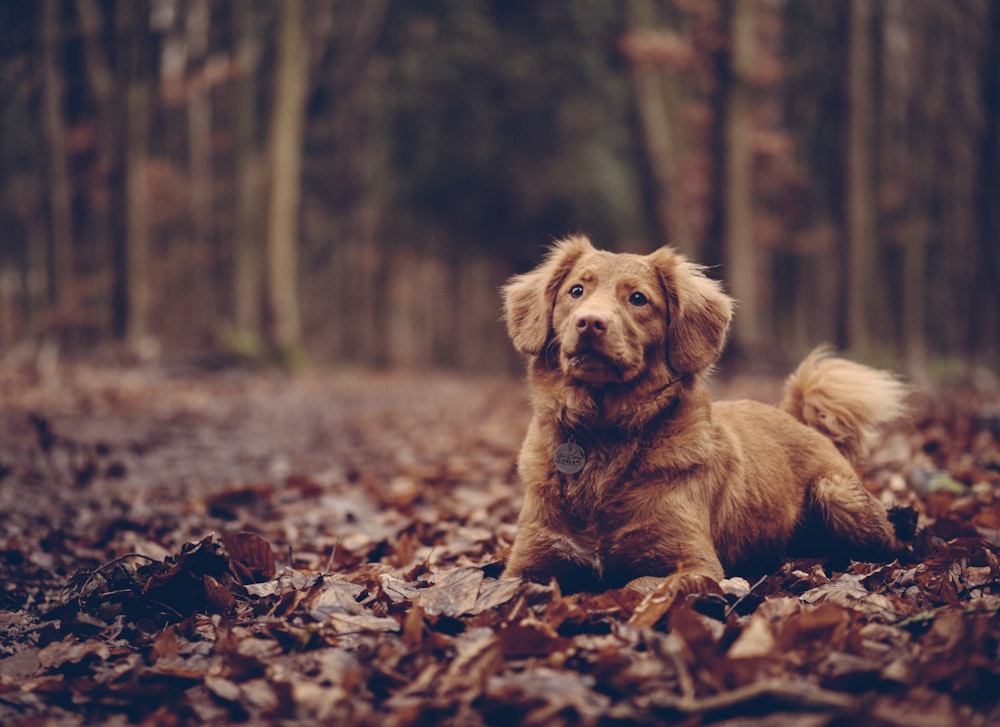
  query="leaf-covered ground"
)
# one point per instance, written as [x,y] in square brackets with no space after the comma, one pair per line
[228,547]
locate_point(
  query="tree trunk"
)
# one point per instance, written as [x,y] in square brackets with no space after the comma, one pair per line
[741,259]
[101,226]
[285,152]
[860,198]
[132,240]
[655,115]
[913,318]
[199,163]
[246,245]
[985,311]
[122,100]
[907,158]
[662,94]
[60,248]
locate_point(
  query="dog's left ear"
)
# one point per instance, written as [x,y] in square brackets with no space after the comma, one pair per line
[528,299]
[699,312]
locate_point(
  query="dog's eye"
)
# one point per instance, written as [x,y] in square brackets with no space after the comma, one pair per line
[576,291]
[638,299]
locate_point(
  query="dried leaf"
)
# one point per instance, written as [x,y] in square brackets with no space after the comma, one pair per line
[344,623]
[531,638]
[252,551]
[756,640]
[218,598]
[164,646]
[60,653]
[849,591]
[334,597]
[454,593]
[222,688]
[479,657]
[494,592]
[673,588]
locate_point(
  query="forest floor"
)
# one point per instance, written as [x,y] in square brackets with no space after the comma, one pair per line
[185,547]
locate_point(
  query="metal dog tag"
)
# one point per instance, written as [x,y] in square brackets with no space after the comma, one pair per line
[569,458]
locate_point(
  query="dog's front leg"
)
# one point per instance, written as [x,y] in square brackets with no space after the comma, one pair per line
[645,584]
[540,554]
[662,558]
[698,564]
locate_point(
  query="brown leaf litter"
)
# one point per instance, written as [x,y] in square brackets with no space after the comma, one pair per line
[185,548]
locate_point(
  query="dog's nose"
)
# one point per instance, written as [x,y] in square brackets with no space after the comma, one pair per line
[592,323]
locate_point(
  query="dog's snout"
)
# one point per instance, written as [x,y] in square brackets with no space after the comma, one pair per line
[592,323]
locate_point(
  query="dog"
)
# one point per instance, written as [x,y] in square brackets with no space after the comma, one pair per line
[632,474]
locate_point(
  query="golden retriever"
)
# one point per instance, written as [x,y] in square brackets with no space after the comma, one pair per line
[631,471]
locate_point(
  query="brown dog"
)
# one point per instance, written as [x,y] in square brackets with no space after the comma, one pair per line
[632,472]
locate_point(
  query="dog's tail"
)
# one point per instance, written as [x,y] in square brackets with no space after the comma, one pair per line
[845,401]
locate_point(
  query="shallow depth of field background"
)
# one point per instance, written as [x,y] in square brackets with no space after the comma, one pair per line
[349,182]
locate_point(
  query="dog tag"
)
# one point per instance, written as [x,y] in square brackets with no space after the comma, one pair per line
[569,458]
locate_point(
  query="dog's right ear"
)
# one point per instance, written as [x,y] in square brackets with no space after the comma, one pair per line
[528,299]
[699,312]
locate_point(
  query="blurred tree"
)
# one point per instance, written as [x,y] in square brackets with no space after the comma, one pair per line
[284,194]
[809,268]
[507,126]
[909,177]
[60,249]
[507,123]
[121,94]
[131,240]
[102,163]
[678,53]
[657,97]
[23,292]
[986,309]
[362,185]
[247,243]
[743,262]
[198,86]
[704,75]
[937,168]
[344,173]
[862,145]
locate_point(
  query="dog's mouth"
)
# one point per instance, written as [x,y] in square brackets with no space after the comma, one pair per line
[593,367]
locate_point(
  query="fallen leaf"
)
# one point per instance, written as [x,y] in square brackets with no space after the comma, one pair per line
[755,640]
[60,653]
[531,638]
[253,552]
[494,592]
[346,623]
[453,593]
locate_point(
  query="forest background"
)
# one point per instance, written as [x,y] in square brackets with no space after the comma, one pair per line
[352,181]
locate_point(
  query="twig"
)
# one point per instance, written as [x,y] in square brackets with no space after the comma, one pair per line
[802,695]
[740,600]
[165,607]
[116,561]
[329,563]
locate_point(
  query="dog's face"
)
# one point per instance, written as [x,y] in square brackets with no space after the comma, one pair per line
[611,318]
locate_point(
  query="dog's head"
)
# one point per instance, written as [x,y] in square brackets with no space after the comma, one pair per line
[609,318]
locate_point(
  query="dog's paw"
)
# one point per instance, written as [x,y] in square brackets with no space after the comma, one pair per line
[644,584]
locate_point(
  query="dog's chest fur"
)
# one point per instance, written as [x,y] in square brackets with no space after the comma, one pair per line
[604,513]
[599,495]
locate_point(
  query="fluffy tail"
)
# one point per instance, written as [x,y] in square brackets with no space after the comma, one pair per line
[845,401]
